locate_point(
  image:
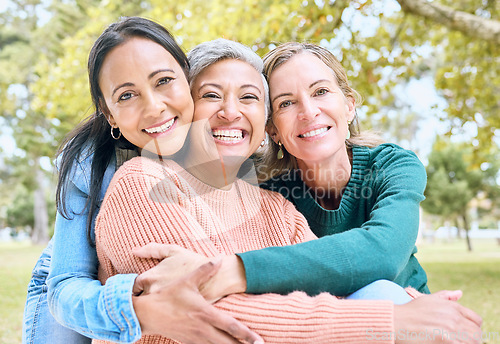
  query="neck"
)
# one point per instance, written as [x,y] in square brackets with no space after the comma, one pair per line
[218,173]
[327,179]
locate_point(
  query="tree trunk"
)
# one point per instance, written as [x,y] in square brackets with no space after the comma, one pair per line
[466,228]
[469,24]
[40,234]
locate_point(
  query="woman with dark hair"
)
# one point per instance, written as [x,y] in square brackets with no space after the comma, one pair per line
[155,85]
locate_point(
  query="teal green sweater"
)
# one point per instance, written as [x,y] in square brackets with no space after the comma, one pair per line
[371,235]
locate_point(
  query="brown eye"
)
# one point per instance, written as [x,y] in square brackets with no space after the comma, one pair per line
[125,96]
[211,95]
[164,81]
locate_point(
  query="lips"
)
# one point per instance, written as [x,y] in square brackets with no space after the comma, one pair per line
[314,132]
[230,135]
[161,128]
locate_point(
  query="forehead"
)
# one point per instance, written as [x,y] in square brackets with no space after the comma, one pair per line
[136,55]
[230,71]
[303,67]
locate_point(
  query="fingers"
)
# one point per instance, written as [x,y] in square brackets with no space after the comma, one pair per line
[155,250]
[471,315]
[232,327]
[452,295]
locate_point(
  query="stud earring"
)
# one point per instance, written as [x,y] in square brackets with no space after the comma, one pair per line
[280,151]
[263,143]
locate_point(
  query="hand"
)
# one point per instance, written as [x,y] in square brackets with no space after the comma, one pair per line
[180,312]
[176,262]
[434,319]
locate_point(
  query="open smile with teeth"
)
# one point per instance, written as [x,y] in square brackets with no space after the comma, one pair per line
[314,132]
[160,129]
[228,135]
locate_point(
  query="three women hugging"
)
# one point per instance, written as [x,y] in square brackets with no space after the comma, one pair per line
[164,234]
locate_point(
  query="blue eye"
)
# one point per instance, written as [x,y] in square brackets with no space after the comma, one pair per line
[321,91]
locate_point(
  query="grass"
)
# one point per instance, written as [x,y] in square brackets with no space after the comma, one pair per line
[448,265]
[476,273]
[16,262]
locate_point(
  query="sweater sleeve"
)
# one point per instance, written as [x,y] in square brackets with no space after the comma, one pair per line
[343,263]
[299,318]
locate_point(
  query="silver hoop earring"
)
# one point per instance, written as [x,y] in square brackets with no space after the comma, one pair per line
[113,133]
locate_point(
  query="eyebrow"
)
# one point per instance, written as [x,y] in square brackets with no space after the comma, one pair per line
[151,75]
[310,86]
[220,87]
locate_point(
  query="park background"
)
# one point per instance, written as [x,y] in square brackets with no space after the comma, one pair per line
[428,71]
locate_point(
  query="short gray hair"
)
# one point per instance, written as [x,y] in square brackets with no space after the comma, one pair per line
[207,53]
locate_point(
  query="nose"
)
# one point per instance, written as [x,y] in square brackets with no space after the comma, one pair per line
[230,110]
[308,109]
[154,104]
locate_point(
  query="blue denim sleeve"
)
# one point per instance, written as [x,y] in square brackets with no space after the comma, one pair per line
[76,297]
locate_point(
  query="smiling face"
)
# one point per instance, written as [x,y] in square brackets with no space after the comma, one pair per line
[146,95]
[230,95]
[310,112]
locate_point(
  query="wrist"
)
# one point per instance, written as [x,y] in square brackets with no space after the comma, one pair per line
[233,271]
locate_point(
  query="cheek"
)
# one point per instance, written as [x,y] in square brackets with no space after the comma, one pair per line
[202,110]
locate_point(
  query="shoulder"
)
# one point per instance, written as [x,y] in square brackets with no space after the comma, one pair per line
[390,162]
[390,154]
[143,168]
[81,169]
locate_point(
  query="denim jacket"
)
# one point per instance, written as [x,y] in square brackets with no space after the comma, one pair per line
[76,297]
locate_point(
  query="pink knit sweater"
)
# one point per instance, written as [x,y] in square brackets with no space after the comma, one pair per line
[148,202]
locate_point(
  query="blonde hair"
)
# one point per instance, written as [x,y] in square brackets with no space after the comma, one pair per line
[269,165]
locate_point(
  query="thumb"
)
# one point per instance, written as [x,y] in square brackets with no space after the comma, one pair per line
[153,250]
[138,287]
[205,272]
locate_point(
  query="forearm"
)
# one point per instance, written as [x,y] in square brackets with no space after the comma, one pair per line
[298,318]
[96,311]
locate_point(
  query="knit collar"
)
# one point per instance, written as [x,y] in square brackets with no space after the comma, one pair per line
[308,205]
[209,192]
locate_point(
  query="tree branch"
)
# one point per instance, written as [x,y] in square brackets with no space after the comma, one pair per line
[469,24]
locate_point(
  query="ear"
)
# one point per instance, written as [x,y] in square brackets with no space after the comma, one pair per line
[109,117]
[273,132]
[111,120]
[351,108]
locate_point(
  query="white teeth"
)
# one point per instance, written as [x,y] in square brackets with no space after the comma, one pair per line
[228,135]
[314,132]
[162,128]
